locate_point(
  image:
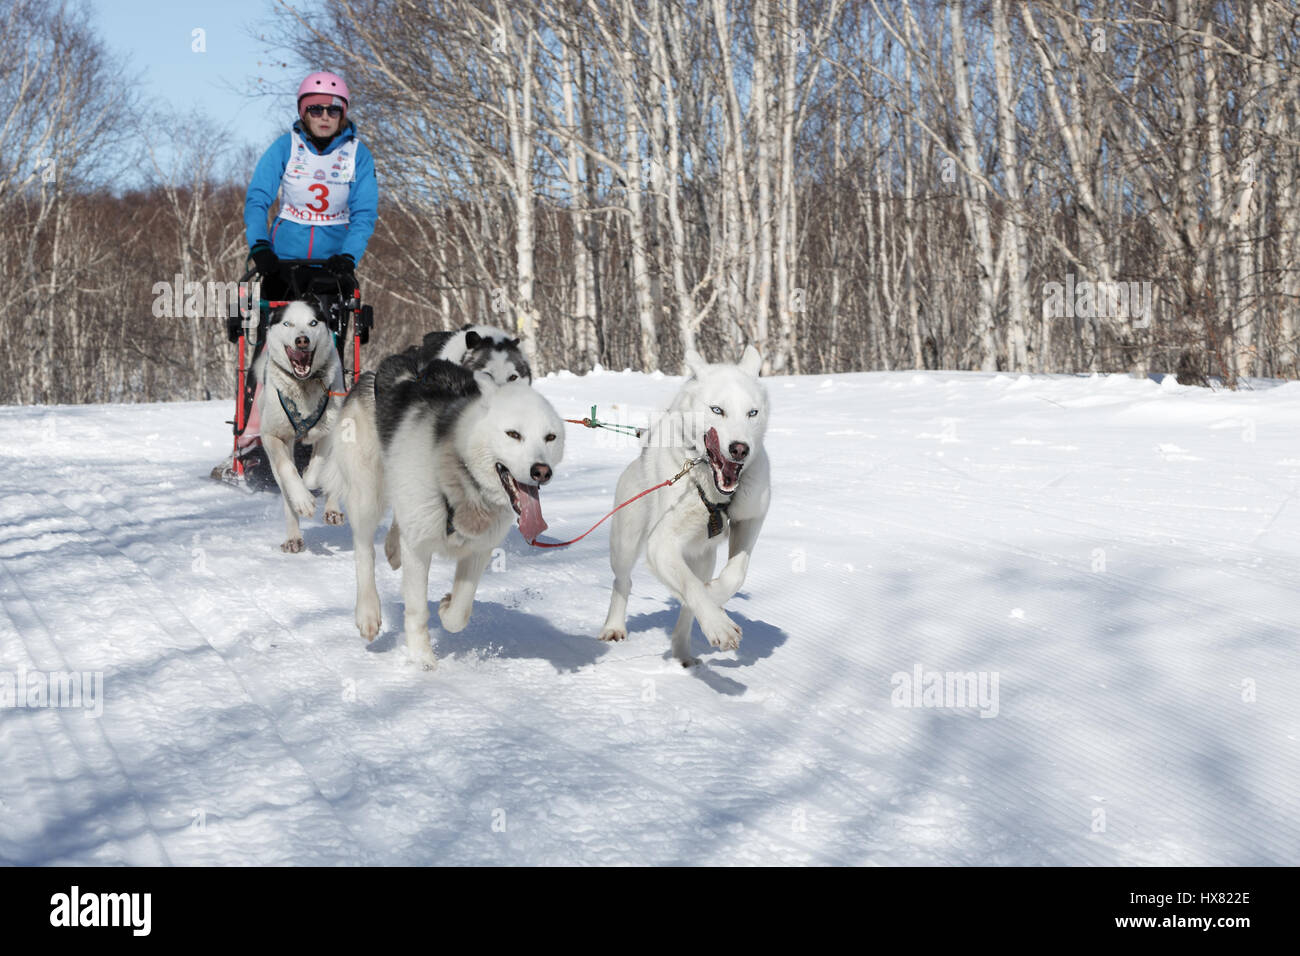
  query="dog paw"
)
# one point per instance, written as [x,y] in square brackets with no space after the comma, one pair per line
[293,546]
[452,621]
[472,519]
[301,502]
[423,657]
[690,662]
[722,632]
[368,622]
[724,587]
[333,517]
[613,634]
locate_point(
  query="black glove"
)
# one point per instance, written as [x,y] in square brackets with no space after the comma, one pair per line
[267,262]
[342,265]
[344,268]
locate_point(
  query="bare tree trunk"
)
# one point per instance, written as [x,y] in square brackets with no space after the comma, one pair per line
[517,75]
[761,294]
[632,176]
[784,353]
[670,177]
[836,216]
[907,144]
[1245,350]
[583,275]
[738,212]
[1014,226]
[974,195]
[1287,216]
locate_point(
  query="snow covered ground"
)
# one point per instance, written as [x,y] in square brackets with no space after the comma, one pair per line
[1115,562]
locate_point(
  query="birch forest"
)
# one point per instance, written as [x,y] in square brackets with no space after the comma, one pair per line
[1046,186]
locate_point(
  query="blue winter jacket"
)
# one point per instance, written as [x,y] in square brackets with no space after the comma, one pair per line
[296,240]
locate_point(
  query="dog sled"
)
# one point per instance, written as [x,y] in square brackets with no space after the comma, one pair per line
[335,301]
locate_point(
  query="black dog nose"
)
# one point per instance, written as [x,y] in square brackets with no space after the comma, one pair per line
[301,342]
[739,450]
[540,473]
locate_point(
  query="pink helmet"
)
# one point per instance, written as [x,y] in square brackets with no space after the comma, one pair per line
[331,84]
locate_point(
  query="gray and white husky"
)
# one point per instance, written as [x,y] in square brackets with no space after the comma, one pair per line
[459,458]
[297,370]
[719,415]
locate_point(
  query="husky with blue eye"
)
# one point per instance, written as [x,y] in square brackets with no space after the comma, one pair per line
[459,458]
[297,371]
[718,418]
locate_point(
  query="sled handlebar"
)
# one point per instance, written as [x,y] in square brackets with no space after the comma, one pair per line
[288,262]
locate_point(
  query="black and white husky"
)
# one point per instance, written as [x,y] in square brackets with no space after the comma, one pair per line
[459,458]
[297,370]
[479,348]
[719,415]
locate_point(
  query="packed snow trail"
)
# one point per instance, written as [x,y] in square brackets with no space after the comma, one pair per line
[1119,559]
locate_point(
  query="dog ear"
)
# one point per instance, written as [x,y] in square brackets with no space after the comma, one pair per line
[472,340]
[509,344]
[751,362]
[486,383]
[695,362]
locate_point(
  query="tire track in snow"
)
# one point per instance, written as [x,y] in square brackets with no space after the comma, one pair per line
[144,555]
[806,676]
[96,759]
[344,754]
[1208,545]
[1066,743]
[144,600]
[848,751]
[1274,783]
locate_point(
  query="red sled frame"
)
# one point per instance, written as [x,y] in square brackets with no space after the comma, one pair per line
[250,316]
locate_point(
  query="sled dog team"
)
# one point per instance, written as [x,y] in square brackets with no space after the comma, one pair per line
[453,437]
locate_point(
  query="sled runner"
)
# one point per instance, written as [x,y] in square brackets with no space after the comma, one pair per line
[261,299]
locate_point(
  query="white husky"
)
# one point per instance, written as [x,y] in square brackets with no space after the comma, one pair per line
[719,415]
[458,457]
[297,371]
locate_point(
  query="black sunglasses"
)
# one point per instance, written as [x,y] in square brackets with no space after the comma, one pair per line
[318,110]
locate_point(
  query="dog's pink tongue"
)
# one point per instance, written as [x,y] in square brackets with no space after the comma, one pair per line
[730,469]
[531,522]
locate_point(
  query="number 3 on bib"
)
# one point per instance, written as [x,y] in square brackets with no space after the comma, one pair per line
[322,196]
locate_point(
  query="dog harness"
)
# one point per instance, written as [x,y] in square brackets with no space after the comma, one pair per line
[451,513]
[717,513]
[301,426]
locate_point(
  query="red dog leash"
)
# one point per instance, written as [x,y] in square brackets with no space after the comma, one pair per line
[690,463]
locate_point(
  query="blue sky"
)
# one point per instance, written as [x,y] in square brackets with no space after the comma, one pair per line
[156,42]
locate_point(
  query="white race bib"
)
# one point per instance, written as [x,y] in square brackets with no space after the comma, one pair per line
[314,188]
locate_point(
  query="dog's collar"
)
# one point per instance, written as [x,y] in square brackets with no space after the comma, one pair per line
[717,512]
[301,426]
